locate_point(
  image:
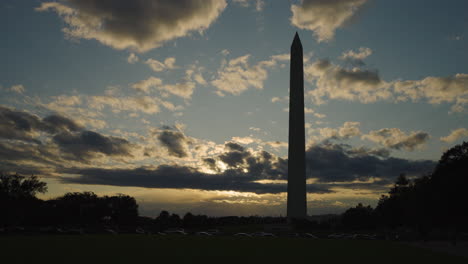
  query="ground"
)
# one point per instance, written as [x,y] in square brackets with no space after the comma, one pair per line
[188,249]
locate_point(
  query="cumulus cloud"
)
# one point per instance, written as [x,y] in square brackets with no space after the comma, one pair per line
[146,85]
[246,140]
[139,25]
[258,4]
[244,170]
[357,83]
[237,75]
[262,172]
[339,162]
[173,139]
[323,17]
[132,58]
[85,144]
[21,125]
[277,144]
[18,88]
[452,89]
[348,130]
[71,149]
[179,177]
[145,104]
[455,135]
[312,112]
[361,54]
[157,66]
[182,89]
[336,82]
[356,57]
[397,139]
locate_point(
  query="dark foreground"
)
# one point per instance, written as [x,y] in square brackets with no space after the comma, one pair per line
[187,249]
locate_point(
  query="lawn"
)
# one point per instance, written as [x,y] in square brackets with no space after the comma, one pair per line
[188,249]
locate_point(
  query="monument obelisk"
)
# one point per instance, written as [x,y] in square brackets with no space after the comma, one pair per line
[297,204]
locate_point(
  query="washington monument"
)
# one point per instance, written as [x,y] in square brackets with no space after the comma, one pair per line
[297,205]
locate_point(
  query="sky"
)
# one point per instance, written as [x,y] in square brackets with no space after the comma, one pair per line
[184,104]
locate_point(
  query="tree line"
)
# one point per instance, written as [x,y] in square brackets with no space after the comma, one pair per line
[433,202]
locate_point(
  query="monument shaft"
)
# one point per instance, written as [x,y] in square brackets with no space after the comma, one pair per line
[297,204]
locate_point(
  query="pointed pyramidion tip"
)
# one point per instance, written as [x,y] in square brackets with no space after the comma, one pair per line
[297,40]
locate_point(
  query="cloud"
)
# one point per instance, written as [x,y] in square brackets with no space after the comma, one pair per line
[234,147]
[85,144]
[336,82]
[146,85]
[361,54]
[397,139]
[312,112]
[194,73]
[342,163]
[359,84]
[348,130]
[178,177]
[145,104]
[132,58]
[323,17]
[183,89]
[245,140]
[70,149]
[331,165]
[18,88]
[20,125]
[259,4]
[277,144]
[356,57]
[455,135]
[61,123]
[25,158]
[237,75]
[139,25]
[157,66]
[452,89]
[174,141]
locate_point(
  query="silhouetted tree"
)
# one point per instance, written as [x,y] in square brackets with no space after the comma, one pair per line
[449,185]
[18,202]
[123,209]
[16,186]
[359,217]
[432,201]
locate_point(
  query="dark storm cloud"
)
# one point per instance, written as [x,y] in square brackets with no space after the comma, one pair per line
[174,141]
[135,24]
[333,162]
[21,125]
[178,177]
[83,145]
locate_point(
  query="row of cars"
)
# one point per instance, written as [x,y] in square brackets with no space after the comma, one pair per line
[352,236]
[173,231]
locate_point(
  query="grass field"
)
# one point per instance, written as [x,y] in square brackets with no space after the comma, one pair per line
[188,249]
